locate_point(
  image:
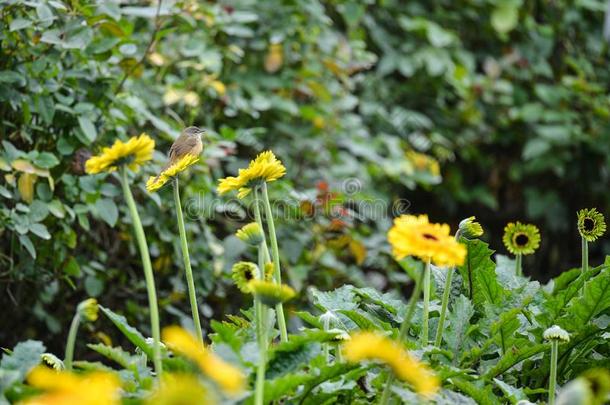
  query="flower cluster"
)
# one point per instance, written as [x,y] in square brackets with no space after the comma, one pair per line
[264,168]
[415,236]
[132,153]
[372,346]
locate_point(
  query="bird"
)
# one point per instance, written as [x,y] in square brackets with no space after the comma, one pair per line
[189,142]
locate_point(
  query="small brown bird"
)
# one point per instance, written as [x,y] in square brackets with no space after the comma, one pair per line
[189,142]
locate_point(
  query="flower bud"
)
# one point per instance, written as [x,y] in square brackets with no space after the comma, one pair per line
[470,228]
[252,234]
[88,309]
[556,333]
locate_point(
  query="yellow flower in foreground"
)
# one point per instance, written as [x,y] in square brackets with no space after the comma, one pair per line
[156,182]
[227,376]
[372,346]
[265,168]
[98,388]
[133,153]
[180,389]
[414,236]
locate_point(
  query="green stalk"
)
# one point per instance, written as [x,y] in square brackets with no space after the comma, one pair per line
[187,263]
[585,255]
[402,334]
[425,315]
[326,345]
[553,376]
[441,320]
[259,390]
[279,309]
[148,273]
[71,341]
[518,264]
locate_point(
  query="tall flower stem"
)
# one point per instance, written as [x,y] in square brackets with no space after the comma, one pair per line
[259,390]
[402,334]
[281,320]
[553,376]
[585,255]
[443,315]
[148,273]
[519,264]
[187,263]
[425,315]
[69,356]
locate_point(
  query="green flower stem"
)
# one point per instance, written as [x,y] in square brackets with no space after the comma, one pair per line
[259,390]
[441,320]
[71,341]
[281,320]
[585,255]
[326,345]
[148,273]
[519,264]
[338,354]
[553,376]
[425,315]
[402,334]
[187,263]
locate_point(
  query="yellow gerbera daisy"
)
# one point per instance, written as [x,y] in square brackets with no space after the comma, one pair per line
[98,388]
[227,376]
[373,346]
[414,236]
[264,168]
[178,389]
[132,153]
[521,239]
[156,182]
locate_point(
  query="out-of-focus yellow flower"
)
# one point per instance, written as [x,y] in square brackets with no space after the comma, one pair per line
[88,309]
[191,99]
[172,96]
[180,389]
[413,235]
[271,293]
[274,58]
[522,239]
[423,162]
[219,87]
[156,59]
[227,376]
[372,346]
[265,168]
[244,272]
[133,153]
[156,182]
[66,388]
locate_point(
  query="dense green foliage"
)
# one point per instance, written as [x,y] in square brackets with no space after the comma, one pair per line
[510,97]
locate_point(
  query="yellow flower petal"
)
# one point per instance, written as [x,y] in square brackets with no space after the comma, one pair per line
[132,153]
[265,167]
[156,182]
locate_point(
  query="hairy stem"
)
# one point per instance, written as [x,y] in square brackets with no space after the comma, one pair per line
[281,320]
[553,376]
[585,255]
[187,263]
[441,319]
[69,356]
[519,264]
[148,273]
[425,315]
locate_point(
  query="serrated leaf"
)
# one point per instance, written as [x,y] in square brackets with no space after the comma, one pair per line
[479,275]
[116,354]
[310,319]
[340,298]
[129,331]
[361,319]
[458,322]
[515,356]
[482,394]
[23,358]
[594,300]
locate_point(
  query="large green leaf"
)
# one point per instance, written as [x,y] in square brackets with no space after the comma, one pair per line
[594,300]
[129,331]
[479,275]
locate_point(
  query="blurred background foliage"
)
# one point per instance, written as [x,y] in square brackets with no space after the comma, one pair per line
[498,109]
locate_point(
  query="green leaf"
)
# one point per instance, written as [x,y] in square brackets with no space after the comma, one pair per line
[88,128]
[46,160]
[116,354]
[23,358]
[361,319]
[129,331]
[594,300]
[19,24]
[107,210]
[458,322]
[513,357]
[9,76]
[483,394]
[505,16]
[479,275]
[40,230]
[29,246]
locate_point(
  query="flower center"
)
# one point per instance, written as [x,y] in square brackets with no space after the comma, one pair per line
[589,224]
[248,275]
[429,237]
[521,239]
